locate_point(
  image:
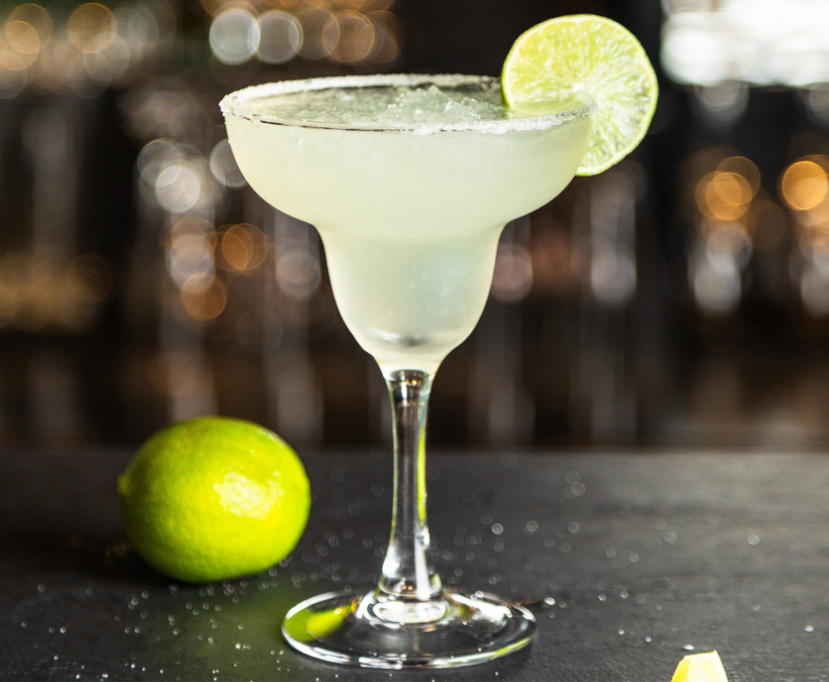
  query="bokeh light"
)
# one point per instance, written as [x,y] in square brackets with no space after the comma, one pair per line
[107,64]
[13,76]
[731,237]
[50,293]
[613,276]
[234,36]
[313,21]
[91,27]
[223,166]
[190,250]
[281,37]
[34,16]
[22,37]
[277,31]
[804,183]
[513,276]
[754,42]
[244,247]
[745,168]
[814,292]
[84,48]
[817,100]
[732,222]
[348,37]
[203,296]
[716,285]
[723,195]
[298,271]
[178,186]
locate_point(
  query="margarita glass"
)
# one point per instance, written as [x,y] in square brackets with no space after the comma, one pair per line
[409,181]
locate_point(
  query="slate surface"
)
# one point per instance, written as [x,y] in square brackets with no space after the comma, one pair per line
[647,555]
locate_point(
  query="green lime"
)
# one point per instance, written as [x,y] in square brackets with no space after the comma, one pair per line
[595,60]
[214,498]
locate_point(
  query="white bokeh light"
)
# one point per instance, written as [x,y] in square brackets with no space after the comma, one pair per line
[223,166]
[281,37]
[760,42]
[234,36]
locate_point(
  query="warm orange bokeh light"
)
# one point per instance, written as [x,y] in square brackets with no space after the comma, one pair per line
[244,247]
[191,238]
[744,167]
[34,14]
[804,185]
[732,188]
[91,27]
[348,37]
[723,195]
[203,296]
[22,37]
[277,4]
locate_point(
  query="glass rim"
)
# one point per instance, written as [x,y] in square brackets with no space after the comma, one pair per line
[233,103]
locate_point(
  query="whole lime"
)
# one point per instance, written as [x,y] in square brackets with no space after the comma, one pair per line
[214,498]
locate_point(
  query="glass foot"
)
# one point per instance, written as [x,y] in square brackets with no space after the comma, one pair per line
[377,631]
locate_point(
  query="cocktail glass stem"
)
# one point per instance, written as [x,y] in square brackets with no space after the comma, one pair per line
[408,619]
[408,572]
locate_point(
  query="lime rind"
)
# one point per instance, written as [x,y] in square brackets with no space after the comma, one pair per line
[597,61]
[702,667]
[214,498]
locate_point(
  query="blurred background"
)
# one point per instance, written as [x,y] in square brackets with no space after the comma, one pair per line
[680,298]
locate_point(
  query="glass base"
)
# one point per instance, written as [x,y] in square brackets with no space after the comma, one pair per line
[378,631]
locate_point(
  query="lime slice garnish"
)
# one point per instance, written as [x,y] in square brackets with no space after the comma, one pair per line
[705,667]
[593,59]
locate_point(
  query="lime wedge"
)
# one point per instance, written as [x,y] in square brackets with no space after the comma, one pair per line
[593,59]
[705,667]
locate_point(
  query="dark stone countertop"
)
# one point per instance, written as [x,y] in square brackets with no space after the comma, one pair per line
[648,555]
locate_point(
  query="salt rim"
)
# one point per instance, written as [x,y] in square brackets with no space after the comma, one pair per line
[233,104]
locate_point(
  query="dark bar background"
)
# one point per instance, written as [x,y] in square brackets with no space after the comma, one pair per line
[594,332]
